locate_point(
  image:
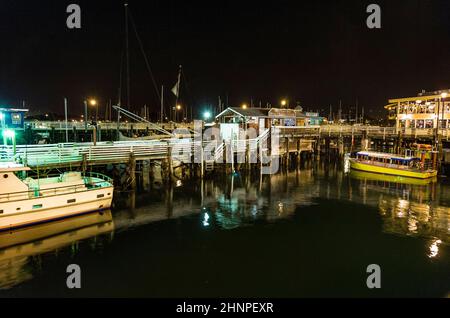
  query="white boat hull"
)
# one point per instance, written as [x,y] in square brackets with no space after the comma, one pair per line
[27,212]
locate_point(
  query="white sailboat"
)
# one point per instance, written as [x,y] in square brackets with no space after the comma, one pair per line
[30,201]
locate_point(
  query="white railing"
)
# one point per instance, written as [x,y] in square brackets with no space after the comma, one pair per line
[79,125]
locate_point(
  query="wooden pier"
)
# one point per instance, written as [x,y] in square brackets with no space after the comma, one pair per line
[170,153]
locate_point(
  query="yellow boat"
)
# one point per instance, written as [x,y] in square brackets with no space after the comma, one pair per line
[378,177]
[391,164]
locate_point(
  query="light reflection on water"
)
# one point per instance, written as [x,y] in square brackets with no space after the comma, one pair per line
[419,210]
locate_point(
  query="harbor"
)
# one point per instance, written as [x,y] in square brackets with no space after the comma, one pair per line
[404,226]
[198,154]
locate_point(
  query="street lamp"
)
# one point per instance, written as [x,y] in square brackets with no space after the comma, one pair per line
[206,115]
[283,102]
[244,106]
[178,107]
[93,102]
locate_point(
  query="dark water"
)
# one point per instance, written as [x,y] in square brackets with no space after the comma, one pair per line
[305,233]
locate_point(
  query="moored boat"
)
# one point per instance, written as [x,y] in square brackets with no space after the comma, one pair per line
[27,201]
[391,164]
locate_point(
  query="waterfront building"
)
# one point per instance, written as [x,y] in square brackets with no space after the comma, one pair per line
[421,114]
[262,118]
[12,118]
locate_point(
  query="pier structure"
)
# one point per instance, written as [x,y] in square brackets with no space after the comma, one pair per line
[174,158]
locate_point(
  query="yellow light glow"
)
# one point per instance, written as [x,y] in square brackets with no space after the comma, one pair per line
[444,95]
[178,107]
[92,102]
[244,106]
[283,102]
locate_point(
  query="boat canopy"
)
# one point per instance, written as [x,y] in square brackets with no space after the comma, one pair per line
[383,155]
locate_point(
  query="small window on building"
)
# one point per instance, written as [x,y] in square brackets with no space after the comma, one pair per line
[100,195]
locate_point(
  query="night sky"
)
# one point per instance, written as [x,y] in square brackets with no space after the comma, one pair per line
[315,52]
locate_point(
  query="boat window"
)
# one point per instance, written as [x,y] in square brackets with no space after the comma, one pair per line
[100,195]
[71,201]
[37,206]
[5,175]
[1,211]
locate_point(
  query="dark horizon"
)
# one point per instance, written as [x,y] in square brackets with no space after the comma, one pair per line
[316,53]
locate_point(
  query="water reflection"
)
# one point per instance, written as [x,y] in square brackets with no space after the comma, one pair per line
[407,207]
[24,246]
[418,209]
[410,207]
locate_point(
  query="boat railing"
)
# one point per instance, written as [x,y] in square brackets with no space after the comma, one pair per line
[90,175]
[424,167]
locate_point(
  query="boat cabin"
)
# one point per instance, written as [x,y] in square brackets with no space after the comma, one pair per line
[383,158]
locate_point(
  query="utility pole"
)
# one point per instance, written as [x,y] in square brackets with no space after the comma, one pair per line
[162,103]
[65,117]
[340,110]
[85,117]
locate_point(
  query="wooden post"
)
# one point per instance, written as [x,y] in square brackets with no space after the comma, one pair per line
[169,161]
[84,163]
[94,135]
[132,167]
[202,167]
[286,141]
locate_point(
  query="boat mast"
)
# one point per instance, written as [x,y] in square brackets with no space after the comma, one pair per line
[162,103]
[127,53]
[178,93]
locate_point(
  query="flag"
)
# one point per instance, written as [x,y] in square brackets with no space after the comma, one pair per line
[175,89]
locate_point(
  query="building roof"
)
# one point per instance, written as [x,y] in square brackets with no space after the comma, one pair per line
[13,110]
[247,112]
[423,96]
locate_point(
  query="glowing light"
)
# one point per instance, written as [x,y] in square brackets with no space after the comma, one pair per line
[8,133]
[1,116]
[418,101]
[205,219]
[444,95]
[92,102]
[434,248]
[207,115]
[178,107]
[283,102]
[244,106]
